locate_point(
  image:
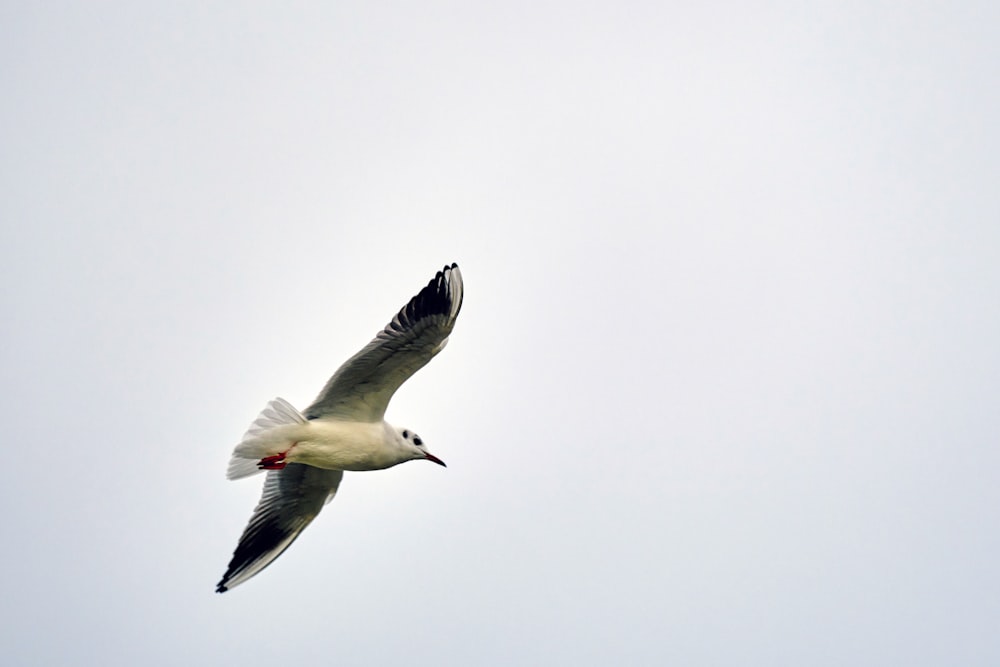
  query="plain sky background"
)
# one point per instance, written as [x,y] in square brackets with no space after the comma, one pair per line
[724,390]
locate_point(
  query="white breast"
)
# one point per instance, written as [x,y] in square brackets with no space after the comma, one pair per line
[343,445]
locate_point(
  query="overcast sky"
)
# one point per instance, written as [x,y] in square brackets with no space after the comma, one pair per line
[724,390]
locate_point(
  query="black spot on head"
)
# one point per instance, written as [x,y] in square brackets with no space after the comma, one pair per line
[406,434]
[418,442]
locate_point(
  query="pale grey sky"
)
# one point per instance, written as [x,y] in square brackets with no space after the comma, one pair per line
[724,390]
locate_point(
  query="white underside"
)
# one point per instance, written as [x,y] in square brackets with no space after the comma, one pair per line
[323,443]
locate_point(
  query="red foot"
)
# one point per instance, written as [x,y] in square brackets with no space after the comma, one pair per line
[276,462]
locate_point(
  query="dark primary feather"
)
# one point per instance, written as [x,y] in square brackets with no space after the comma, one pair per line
[291,499]
[361,388]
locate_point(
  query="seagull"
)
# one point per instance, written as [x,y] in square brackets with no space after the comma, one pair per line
[306,453]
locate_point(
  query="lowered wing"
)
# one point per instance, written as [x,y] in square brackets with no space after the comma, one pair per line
[291,500]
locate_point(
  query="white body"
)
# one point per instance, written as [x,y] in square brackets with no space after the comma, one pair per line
[332,444]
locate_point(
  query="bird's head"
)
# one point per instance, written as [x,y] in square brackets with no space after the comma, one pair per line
[415,445]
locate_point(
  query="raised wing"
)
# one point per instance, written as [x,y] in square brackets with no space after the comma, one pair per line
[291,500]
[360,389]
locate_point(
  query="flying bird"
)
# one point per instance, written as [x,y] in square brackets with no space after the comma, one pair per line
[306,453]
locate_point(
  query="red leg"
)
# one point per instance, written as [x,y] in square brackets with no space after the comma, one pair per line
[276,462]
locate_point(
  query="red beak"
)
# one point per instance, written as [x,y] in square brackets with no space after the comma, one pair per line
[431,457]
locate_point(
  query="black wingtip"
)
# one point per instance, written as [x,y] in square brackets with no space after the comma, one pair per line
[433,299]
[220,588]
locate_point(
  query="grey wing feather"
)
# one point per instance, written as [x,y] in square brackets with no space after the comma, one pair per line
[361,388]
[291,499]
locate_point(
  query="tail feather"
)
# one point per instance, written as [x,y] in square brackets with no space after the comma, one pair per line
[260,440]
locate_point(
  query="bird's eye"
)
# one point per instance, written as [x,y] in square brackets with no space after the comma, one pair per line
[418,442]
[406,435]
